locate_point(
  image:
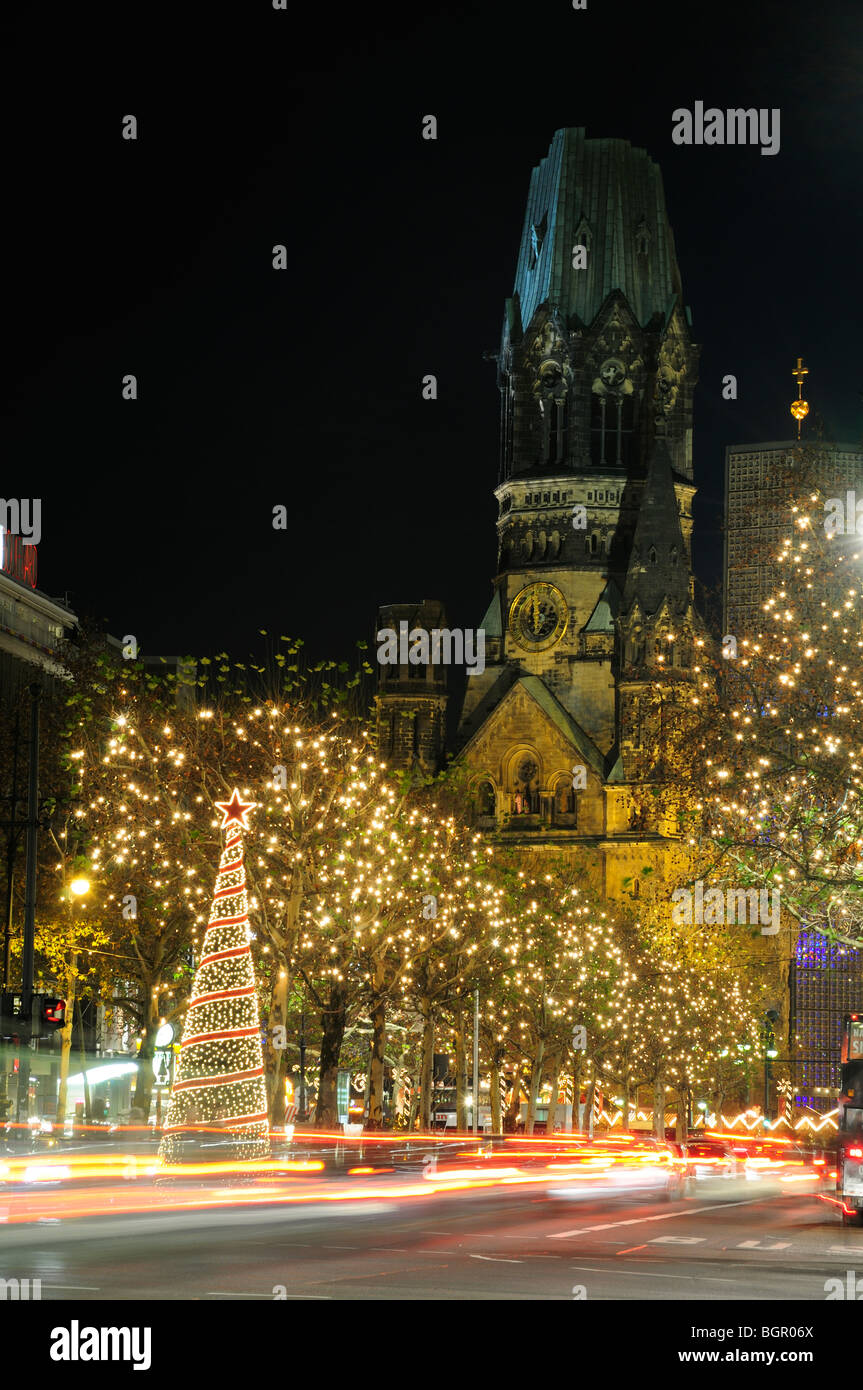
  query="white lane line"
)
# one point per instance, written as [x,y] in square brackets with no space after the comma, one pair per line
[94,1288]
[216,1293]
[338,1247]
[666,1216]
[644,1274]
[640,1273]
[389,1249]
[495,1260]
[759,1245]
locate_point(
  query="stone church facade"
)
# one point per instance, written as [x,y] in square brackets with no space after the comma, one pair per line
[592,630]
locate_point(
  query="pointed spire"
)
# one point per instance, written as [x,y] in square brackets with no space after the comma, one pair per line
[616,190]
[658,567]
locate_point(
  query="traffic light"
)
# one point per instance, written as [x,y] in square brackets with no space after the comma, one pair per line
[768,1032]
[53,1012]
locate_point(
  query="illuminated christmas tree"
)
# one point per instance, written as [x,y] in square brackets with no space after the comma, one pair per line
[219,1079]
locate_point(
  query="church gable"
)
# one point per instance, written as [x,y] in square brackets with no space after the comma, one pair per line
[531,759]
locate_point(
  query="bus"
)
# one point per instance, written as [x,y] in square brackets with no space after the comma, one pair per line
[849,1166]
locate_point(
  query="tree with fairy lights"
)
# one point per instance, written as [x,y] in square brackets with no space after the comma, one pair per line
[219,1080]
[150,766]
[779,773]
[406,891]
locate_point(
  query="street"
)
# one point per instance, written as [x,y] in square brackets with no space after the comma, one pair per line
[515,1245]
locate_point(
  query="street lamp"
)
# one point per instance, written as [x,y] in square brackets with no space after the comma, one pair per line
[79,886]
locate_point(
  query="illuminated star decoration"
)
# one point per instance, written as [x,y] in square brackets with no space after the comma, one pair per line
[235,810]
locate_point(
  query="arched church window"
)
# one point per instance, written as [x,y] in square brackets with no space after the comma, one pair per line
[593,542]
[564,799]
[526,797]
[673,556]
[651,555]
[612,423]
[485,799]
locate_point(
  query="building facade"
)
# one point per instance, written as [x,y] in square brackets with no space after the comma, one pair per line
[758,480]
[33,626]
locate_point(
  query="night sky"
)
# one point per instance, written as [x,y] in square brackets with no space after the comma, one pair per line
[303,387]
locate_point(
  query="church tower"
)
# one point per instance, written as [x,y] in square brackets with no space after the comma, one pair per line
[592,620]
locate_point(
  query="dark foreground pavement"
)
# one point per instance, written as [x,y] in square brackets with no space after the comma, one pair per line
[461,1247]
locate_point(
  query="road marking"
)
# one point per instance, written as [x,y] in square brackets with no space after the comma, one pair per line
[630,1249]
[666,1216]
[338,1247]
[216,1293]
[641,1273]
[389,1249]
[758,1245]
[94,1288]
[495,1260]
[645,1274]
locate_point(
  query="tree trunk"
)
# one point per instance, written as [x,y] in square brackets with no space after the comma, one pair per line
[461,1119]
[88,1104]
[627,1090]
[588,1106]
[555,1083]
[427,1070]
[658,1108]
[145,1079]
[515,1097]
[376,1064]
[66,1042]
[576,1092]
[496,1115]
[333,1023]
[274,1056]
[680,1132]
[413,1118]
[535,1085]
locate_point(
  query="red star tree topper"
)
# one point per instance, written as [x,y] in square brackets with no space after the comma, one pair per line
[219,1079]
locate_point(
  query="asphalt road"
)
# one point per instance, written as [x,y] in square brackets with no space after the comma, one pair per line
[509,1246]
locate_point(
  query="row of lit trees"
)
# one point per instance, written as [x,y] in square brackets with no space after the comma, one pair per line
[373,902]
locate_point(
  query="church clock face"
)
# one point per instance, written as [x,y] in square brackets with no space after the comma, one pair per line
[538,617]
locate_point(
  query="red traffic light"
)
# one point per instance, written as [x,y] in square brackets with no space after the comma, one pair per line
[54,1012]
